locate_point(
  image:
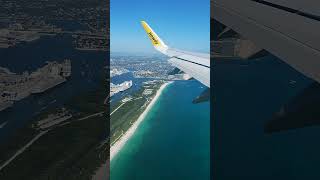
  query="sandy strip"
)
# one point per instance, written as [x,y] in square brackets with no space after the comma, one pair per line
[116,147]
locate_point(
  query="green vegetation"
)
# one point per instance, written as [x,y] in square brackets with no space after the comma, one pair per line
[122,119]
[71,151]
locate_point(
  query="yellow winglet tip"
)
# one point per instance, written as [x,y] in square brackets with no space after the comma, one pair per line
[153,37]
[145,26]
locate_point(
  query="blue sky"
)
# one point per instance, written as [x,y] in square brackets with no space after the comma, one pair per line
[180,24]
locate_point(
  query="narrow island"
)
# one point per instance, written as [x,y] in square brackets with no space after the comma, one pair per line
[126,115]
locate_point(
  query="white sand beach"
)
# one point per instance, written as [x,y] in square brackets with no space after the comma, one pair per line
[116,147]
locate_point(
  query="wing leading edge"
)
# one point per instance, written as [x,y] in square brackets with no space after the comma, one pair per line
[196,65]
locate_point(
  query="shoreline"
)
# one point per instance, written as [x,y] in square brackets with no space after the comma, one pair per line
[117,146]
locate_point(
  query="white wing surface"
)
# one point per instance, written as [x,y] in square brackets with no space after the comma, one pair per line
[196,65]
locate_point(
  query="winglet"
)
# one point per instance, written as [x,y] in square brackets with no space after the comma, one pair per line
[156,41]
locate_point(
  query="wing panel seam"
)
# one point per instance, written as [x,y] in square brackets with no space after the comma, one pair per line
[190,61]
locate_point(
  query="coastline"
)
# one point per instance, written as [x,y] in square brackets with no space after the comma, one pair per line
[117,146]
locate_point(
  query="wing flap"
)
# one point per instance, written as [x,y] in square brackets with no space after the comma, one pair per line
[266,26]
[196,70]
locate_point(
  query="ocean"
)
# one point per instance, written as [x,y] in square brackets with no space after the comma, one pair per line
[172,142]
[247,94]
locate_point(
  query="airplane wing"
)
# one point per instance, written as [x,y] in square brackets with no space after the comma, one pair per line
[196,65]
[289,29]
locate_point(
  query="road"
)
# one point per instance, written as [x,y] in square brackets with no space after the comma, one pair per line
[117,108]
[23,149]
[20,151]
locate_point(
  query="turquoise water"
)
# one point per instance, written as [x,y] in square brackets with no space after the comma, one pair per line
[173,141]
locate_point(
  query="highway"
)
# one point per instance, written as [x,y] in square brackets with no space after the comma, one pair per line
[20,151]
[23,149]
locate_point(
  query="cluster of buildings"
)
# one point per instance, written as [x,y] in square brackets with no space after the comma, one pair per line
[116,88]
[91,42]
[117,71]
[147,92]
[17,33]
[143,66]
[14,87]
[54,119]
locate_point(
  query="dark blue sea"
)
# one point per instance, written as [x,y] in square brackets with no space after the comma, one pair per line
[247,94]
